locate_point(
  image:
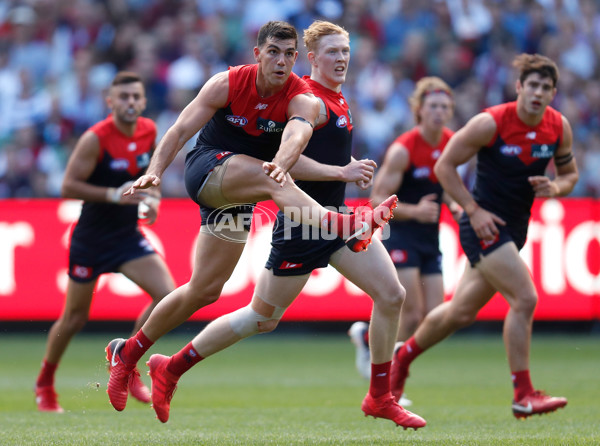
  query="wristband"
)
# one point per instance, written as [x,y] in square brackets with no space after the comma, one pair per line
[113,195]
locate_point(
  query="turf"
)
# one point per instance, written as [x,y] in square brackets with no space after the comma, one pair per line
[281,389]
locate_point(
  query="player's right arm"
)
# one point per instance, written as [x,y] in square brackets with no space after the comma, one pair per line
[463,145]
[194,116]
[80,167]
[388,181]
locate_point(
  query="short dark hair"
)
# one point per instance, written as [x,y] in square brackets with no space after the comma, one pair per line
[536,63]
[278,30]
[125,77]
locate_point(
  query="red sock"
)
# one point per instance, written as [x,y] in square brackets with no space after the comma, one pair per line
[380,379]
[340,224]
[522,384]
[46,376]
[409,351]
[184,360]
[135,347]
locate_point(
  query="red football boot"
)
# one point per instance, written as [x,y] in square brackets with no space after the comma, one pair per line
[367,222]
[537,403]
[118,382]
[137,388]
[47,399]
[386,407]
[164,384]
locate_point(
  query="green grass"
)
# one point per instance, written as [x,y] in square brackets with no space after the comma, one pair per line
[303,390]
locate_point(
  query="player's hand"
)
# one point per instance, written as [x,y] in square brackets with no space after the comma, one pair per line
[427,209]
[275,172]
[456,210]
[148,209]
[364,185]
[143,182]
[116,195]
[543,186]
[359,170]
[485,223]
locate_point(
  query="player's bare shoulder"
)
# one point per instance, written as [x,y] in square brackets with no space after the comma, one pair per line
[479,130]
[216,90]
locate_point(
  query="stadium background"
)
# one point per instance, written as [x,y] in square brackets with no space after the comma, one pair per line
[57,58]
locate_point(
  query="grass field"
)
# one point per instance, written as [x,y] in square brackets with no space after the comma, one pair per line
[297,389]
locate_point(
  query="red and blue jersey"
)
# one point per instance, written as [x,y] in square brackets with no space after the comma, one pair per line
[516,152]
[249,124]
[420,180]
[122,158]
[331,143]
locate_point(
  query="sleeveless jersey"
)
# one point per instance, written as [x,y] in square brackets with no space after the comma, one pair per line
[419,179]
[331,143]
[121,159]
[516,152]
[249,124]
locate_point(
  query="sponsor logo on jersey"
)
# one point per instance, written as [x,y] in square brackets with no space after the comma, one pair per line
[487,243]
[269,126]
[542,150]
[119,164]
[142,160]
[238,121]
[510,150]
[399,255]
[290,265]
[421,172]
[261,106]
[83,272]
[342,122]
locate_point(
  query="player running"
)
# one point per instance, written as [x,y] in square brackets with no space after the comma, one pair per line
[514,142]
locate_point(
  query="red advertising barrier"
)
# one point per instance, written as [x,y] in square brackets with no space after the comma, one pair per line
[562,252]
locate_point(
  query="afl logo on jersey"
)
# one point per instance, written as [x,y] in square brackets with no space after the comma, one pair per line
[132,146]
[421,172]
[238,121]
[119,164]
[342,122]
[435,154]
[511,150]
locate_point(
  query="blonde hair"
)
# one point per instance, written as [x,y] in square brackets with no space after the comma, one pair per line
[425,86]
[319,29]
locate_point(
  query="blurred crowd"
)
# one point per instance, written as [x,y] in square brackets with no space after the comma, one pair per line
[57,58]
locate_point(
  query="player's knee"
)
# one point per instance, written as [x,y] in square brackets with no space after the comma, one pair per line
[391,296]
[525,303]
[268,326]
[460,319]
[73,322]
[246,322]
[204,295]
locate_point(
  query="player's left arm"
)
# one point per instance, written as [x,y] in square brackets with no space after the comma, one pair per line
[303,111]
[308,169]
[566,169]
